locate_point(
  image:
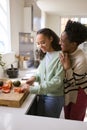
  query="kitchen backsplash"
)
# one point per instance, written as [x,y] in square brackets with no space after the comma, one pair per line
[8,58]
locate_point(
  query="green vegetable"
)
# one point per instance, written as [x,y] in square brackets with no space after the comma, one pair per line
[17,83]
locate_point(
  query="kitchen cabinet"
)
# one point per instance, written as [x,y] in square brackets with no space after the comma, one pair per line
[26,50]
[28,19]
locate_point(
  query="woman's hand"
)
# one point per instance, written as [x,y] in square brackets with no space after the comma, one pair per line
[65,60]
[31,80]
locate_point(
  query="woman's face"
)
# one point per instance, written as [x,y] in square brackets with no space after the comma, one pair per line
[66,45]
[44,43]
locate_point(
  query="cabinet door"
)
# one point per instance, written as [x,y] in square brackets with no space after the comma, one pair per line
[28,19]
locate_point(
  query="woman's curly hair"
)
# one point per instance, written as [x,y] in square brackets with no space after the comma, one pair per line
[76,32]
[49,33]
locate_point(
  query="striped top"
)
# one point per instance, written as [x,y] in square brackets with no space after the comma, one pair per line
[76,76]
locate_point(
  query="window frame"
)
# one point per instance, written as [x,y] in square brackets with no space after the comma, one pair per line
[5,39]
[72,18]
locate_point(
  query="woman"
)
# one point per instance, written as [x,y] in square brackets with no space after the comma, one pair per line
[49,75]
[75,65]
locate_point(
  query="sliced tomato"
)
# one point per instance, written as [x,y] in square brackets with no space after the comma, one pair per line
[19,89]
[5,86]
[5,90]
[9,82]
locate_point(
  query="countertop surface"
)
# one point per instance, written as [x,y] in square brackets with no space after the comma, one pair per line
[23,74]
[16,118]
[28,122]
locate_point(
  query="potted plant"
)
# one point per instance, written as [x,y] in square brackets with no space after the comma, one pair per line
[2,64]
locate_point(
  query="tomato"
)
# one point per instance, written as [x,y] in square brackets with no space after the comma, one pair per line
[9,82]
[5,86]
[6,90]
[19,89]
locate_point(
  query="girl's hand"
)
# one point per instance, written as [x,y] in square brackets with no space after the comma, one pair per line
[25,87]
[65,60]
[31,80]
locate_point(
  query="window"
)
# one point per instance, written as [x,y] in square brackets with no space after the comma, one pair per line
[5,44]
[84,21]
[65,19]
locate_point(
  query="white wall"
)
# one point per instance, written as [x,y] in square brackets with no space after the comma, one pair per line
[51,21]
[43,19]
[17,14]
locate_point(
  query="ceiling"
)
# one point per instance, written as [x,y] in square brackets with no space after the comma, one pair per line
[64,7]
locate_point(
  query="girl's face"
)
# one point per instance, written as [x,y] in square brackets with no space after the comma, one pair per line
[44,43]
[66,45]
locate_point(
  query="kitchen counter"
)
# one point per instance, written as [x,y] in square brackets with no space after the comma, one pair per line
[17,118]
[21,110]
[28,122]
[27,102]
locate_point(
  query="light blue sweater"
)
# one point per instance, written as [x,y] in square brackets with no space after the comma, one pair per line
[50,79]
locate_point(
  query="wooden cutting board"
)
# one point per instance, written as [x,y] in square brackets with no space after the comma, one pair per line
[12,99]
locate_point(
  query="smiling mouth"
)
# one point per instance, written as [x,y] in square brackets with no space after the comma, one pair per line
[61,46]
